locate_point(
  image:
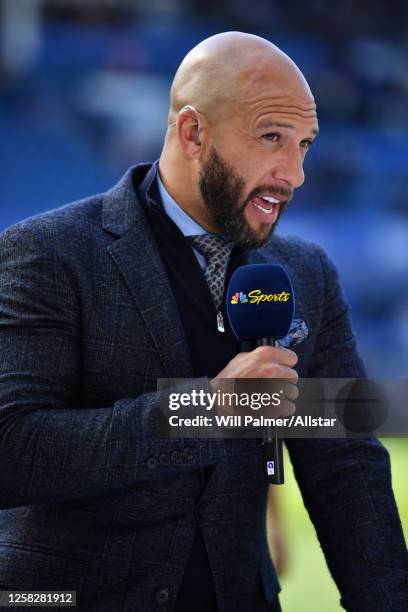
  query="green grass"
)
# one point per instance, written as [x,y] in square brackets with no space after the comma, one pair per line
[307,585]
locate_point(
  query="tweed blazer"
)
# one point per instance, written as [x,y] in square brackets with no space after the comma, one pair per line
[90,499]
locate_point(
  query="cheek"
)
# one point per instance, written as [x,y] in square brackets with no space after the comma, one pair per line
[254,174]
[253,164]
[246,160]
[247,166]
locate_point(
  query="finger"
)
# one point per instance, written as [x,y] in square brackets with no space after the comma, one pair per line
[290,390]
[276,370]
[286,408]
[276,353]
[286,356]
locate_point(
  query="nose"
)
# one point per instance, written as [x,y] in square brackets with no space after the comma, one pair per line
[289,167]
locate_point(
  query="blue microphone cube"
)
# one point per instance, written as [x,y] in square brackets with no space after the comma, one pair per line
[260,302]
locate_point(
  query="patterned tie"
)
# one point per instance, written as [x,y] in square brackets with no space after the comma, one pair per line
[216,250]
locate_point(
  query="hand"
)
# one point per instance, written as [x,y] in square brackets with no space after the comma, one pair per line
[264,362]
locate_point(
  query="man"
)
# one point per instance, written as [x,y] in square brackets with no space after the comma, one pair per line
[100,298]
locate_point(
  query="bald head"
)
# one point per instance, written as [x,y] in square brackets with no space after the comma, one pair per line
[221,73]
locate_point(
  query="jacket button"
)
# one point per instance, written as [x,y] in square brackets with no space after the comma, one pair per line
[175,456]
[188,454]
[162,596]
[164,459]
[152,463]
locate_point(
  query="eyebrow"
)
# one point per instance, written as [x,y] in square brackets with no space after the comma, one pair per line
[268,124]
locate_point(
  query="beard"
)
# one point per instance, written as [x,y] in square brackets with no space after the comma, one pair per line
[222,189]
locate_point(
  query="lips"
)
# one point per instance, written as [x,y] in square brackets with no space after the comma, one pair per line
[265,208]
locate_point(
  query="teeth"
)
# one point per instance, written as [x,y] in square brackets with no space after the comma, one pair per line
[270,199]
[265,210]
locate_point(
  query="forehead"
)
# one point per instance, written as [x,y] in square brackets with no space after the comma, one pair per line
[266,96]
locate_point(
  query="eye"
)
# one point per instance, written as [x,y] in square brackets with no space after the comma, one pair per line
[272,136]
[306,144]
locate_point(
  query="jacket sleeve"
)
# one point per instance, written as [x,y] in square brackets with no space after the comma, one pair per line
[346,484]
[51,448]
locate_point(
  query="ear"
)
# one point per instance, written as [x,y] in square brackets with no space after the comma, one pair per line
[189,129]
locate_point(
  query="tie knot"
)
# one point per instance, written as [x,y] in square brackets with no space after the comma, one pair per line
[212,246]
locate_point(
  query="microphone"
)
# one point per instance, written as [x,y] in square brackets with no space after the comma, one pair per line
[260,307]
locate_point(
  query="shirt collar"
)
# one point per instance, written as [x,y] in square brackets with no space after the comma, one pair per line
[184,222]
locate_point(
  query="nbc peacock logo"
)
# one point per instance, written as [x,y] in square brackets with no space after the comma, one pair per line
[239,298]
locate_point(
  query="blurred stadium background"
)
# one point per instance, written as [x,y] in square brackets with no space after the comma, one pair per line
[84,94]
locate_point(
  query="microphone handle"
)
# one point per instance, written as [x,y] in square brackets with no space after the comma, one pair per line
[272,447]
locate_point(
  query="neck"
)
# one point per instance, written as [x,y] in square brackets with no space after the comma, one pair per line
[181,183]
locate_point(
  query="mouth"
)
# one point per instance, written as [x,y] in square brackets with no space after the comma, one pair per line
[266,208]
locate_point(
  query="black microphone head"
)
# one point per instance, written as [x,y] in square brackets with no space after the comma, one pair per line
[260,302]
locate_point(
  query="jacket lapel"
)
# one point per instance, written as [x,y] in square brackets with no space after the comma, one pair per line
[253,257]
[137,257]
